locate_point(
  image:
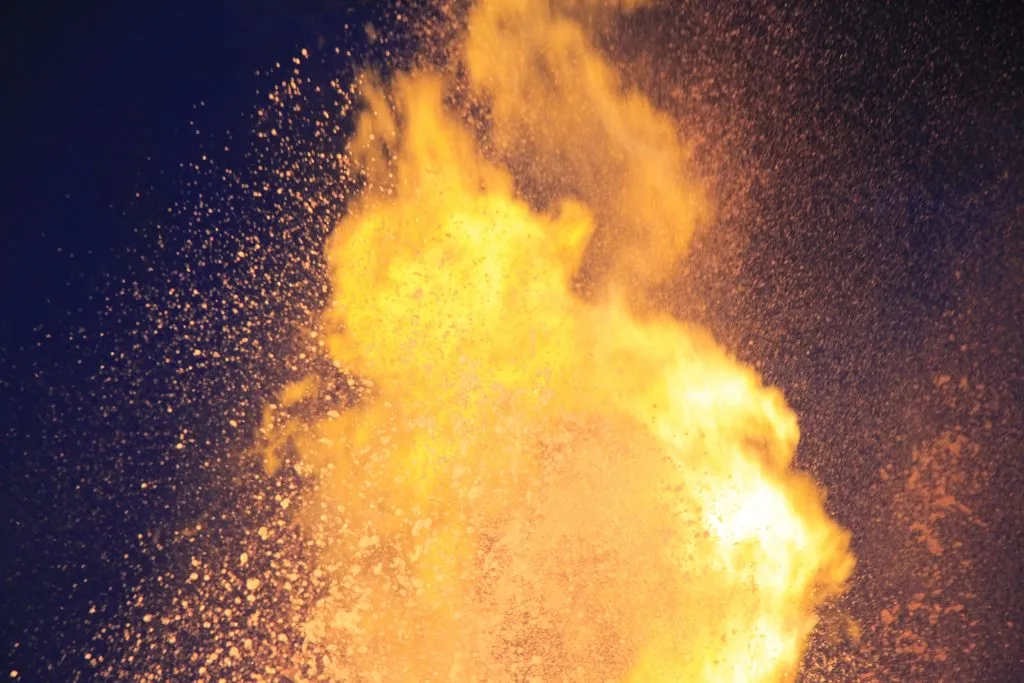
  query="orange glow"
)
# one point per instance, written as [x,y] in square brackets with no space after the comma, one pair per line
[537,485]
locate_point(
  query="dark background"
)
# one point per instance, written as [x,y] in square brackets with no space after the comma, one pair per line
[108,107]
[879,149]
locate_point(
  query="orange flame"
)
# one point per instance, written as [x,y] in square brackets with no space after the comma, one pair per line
[536,485]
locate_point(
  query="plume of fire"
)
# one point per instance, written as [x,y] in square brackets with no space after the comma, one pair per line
[537,485]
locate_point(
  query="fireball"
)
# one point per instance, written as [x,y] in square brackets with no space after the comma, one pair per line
[537,476]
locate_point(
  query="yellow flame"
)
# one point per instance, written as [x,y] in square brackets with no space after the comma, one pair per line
[537,485]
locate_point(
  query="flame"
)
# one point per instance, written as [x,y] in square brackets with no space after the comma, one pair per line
[537,484]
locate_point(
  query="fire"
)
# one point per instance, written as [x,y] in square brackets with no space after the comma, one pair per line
[539,476]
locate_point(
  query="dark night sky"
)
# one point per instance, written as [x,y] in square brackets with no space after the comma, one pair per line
[889,248]
[100,99]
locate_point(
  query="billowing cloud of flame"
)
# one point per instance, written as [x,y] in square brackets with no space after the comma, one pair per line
[537,485]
